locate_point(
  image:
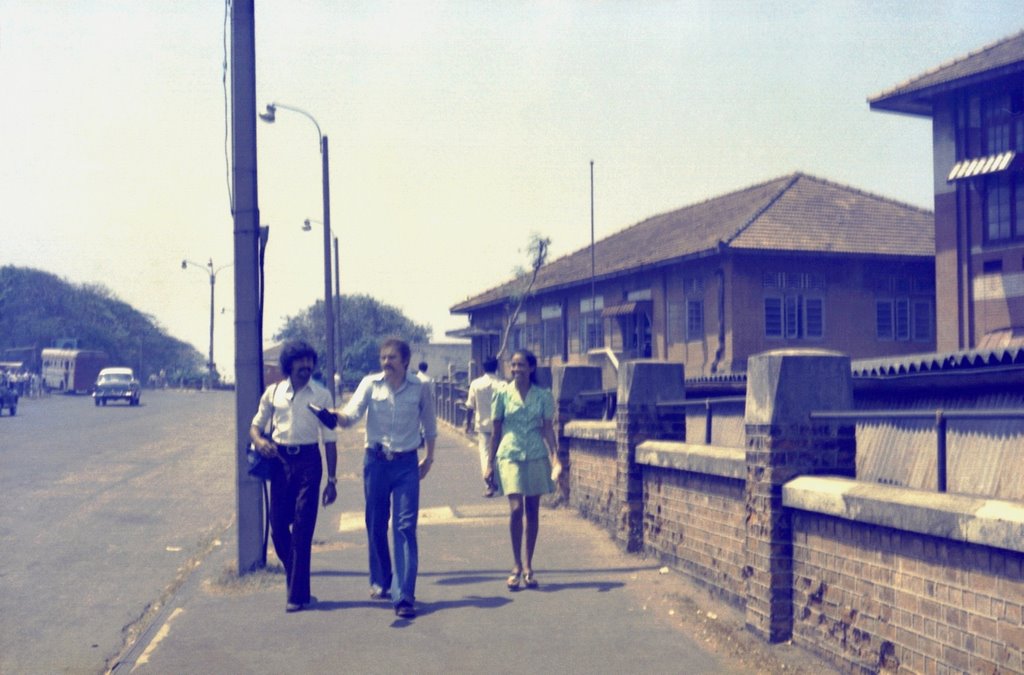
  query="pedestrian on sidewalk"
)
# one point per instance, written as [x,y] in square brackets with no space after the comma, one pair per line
[478,402]
[524,457]
[296,431]
[398,405]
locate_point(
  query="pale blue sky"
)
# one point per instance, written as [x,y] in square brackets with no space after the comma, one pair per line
[456,129]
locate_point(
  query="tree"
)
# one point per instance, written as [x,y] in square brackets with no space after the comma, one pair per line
[37,308]
[537,254]
[364,323]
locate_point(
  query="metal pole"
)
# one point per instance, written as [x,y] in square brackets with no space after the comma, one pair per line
[340,364]
[593,265]
[940,459]
[246,215]
[707,422]
[328,300]
[209,363]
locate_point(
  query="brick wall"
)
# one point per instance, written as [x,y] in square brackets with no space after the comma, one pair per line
[874,577]
[592,471]
[695,523]
[876,599]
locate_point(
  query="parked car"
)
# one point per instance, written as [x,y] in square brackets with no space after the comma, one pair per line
[8,398]
[116,384]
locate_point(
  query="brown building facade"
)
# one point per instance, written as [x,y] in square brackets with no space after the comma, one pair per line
[976,104]
[794,262]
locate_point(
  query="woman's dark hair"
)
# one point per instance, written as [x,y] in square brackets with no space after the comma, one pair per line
[294,350]
[531,360]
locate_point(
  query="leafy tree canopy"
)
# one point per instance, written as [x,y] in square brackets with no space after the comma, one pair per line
[364,323]
[37,308]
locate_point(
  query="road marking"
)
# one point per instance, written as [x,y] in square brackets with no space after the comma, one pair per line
[355,521]
[157,639]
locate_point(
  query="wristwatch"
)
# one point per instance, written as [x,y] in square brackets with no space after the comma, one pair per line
[332,480]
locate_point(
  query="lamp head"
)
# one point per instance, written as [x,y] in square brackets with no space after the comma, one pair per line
[306,227]
[184,264]
[270,115]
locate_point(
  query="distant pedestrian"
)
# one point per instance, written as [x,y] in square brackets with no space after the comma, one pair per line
[289,408]
[478,402]
[421,373]
[524,457]
[399,408]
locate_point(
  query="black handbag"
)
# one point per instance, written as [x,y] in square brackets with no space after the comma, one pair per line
[260,466]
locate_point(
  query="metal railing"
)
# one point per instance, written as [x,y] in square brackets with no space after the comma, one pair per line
[450,402]
[707,404]
[595,404]
[941,417]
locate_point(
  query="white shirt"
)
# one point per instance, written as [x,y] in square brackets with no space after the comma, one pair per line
[294,422]
[481,390]
[395,417]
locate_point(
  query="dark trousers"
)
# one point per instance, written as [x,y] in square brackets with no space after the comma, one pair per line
[294,501]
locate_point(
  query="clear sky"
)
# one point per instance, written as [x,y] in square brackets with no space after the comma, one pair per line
[456,130]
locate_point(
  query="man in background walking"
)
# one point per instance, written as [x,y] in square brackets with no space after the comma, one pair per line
[478,401]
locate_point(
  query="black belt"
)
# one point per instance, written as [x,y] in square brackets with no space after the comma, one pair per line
[296,449]
[380,452]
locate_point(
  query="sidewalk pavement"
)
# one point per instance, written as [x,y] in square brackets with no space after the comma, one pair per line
[597,610]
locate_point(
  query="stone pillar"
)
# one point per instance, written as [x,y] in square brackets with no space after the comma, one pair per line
[566,382]
[783,388]
[641,385]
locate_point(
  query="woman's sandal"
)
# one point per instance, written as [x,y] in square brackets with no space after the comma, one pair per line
[513,581]
[529,580]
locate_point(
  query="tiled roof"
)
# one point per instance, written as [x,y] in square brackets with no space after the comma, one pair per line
[914,96]
[792,213]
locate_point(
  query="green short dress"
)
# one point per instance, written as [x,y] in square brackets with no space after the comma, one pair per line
[523,464]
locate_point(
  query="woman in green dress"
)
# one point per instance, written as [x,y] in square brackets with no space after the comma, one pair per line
[524,457]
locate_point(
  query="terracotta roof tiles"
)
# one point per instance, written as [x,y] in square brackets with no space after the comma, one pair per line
[792,213]
[993,61]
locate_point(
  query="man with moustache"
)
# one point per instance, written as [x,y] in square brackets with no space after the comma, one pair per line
[397,406]
[290,408]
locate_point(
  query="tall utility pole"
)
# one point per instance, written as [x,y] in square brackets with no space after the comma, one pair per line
[593,265]
[270,116]
[245,209]
[211,366]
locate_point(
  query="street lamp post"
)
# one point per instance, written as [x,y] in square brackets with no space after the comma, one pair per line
[340,362]
[209,269]
[270,116]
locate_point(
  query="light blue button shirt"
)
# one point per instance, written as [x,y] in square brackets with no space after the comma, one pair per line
[394,418]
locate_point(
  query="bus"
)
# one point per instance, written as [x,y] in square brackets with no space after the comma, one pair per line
[72,371]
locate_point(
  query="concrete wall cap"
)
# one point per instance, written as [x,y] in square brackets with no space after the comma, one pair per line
[593,430]
[705,459]
[987,522]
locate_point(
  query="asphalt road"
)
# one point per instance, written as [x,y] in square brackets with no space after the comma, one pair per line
[102,511]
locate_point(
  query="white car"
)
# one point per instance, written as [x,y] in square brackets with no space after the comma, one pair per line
[117,384]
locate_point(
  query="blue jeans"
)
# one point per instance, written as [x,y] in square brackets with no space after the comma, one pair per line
[393,484]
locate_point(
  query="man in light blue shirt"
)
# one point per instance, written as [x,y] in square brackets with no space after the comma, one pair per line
[399,415]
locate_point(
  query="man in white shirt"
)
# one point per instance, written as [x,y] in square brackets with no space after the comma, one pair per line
[478,401]
[398,406]
[288,407]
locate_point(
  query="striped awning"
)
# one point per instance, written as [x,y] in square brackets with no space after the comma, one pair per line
[627,308]
[472,332]
[980,166]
